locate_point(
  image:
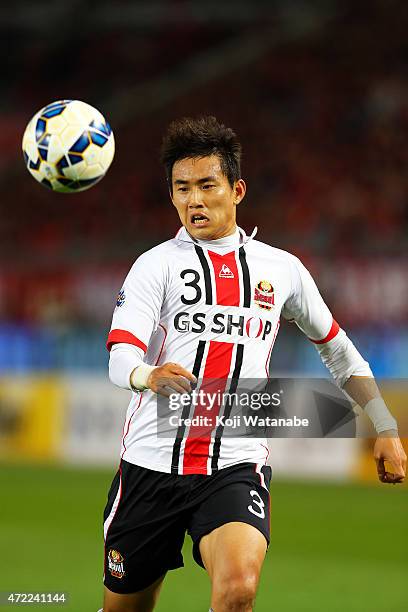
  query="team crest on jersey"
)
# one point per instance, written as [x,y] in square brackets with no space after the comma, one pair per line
[120,300]
[264,295]
[225,272]
[115,564]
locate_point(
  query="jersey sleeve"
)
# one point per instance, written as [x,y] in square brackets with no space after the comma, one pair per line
[306,307]
[139,303]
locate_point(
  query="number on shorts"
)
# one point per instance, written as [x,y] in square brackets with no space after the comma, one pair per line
[257,500]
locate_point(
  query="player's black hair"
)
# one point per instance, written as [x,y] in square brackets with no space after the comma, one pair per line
[189,138]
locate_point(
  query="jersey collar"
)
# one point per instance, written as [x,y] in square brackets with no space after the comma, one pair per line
[184,236]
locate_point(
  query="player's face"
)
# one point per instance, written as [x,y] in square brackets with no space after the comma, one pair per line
[205,201]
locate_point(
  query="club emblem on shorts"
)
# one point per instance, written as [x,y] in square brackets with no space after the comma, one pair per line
[115,564]
[226,272]
[120,300]
[264,296]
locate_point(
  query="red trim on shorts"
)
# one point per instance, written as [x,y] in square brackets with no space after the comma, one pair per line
[334,330]
[121,335]
[215,377]
[226,278]
[260,474]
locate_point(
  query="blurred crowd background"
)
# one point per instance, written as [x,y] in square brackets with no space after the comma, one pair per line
[318,93]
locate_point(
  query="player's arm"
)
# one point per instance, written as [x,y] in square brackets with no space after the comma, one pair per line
[128,370]
[388,447]
[351,372]
[166,379]
[135,318]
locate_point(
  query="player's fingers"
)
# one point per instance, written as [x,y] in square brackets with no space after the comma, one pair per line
[176,387]
[380,464]
[175,378]
[185,384]
[391,478]
[167,385]
[397,475]
[178,369]
[380,469]
[164,391]
[398,469]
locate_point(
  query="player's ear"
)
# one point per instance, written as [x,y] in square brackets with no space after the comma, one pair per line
[239,191]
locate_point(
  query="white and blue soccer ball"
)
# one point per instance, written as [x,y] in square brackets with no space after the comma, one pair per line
[68,146]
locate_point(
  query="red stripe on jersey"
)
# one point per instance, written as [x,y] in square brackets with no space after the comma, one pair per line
[226,278]
[121,335]
[215,377]
[334,330]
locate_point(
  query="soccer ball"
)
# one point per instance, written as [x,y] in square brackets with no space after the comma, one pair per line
[68,146]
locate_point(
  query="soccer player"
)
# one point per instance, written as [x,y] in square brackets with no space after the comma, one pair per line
[205,306]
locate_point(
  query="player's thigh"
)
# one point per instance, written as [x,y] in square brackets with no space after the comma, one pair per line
[144,530]
[143,601]
[239,496]
[233,551]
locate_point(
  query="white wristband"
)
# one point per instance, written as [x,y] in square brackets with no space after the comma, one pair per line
[380,416]
[139,376]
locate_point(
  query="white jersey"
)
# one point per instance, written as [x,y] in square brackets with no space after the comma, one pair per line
[215,310]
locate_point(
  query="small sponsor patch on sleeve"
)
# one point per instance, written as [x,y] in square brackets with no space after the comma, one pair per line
[120,300]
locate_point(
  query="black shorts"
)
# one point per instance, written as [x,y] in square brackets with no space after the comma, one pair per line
[149,512]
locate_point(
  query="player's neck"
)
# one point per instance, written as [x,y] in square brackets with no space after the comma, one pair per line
[231,240]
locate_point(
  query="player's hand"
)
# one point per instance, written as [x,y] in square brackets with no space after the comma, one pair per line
[170,378]
[389,449]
